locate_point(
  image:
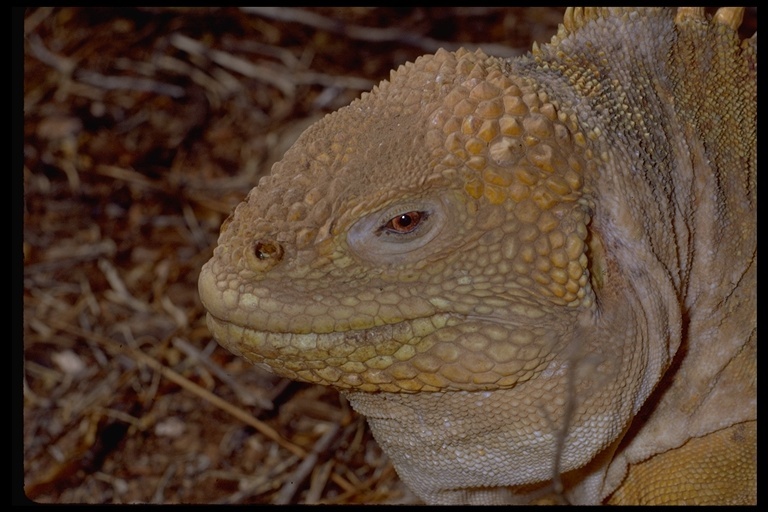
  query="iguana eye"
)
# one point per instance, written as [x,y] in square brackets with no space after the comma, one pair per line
[405,222]
[406,231]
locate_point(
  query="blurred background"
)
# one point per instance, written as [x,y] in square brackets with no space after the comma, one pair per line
[142,129]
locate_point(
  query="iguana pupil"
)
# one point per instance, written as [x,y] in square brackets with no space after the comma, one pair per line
[406,222]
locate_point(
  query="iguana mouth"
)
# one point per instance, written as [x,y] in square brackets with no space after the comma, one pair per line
[432,353]
[352,358]
[403,329]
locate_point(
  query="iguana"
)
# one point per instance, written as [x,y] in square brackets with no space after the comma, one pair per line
[535,277]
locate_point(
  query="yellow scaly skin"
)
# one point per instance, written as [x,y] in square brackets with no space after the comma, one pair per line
[534,277]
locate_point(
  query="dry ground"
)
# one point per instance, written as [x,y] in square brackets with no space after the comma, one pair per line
[143,128]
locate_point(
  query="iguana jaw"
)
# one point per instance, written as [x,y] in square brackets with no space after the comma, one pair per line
[439,352]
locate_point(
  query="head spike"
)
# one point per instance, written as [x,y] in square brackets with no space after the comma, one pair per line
[731,16]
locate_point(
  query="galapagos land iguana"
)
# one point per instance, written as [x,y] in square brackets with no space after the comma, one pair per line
[535,277]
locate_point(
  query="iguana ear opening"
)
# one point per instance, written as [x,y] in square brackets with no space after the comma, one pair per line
[596,256]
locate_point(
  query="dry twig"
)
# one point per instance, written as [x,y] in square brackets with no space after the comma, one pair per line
[373,34]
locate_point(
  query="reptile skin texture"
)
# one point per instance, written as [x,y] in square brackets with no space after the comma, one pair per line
[535,277]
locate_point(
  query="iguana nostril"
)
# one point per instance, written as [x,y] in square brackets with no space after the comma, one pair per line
[264,255]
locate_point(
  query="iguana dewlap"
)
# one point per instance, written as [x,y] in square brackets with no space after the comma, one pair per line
[534,277]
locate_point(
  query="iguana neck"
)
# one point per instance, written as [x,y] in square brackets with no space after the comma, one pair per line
[616,87]
[651,99]
[670,115]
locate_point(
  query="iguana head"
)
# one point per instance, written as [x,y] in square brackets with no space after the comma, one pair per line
[431,236]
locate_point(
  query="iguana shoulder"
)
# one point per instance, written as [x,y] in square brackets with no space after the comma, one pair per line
[535,277]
